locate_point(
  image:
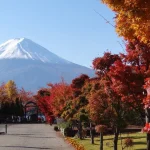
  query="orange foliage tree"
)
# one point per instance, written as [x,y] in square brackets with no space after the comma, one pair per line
[132,18]
[60,94]
[25,96]
[44,103]
[120,90]
[75,109]
[13,99]
[3,95]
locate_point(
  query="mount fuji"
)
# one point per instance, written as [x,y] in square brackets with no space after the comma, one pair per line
[32,66]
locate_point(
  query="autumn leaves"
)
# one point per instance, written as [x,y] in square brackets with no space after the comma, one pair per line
[132,18]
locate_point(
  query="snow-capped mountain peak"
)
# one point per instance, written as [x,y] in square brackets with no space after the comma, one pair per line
[23,48]
[32,66]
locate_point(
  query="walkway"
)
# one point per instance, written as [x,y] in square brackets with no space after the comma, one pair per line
[32,137]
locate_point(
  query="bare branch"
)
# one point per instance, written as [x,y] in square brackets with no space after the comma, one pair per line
[104,18]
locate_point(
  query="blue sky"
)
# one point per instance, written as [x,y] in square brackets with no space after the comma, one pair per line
[68,28]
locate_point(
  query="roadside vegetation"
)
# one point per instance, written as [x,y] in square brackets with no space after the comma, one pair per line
[139,142]
[118,95]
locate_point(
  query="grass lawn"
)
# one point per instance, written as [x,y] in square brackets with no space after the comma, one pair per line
[139,140]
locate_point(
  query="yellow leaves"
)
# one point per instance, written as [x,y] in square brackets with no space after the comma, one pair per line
[8,92]
[135,26]
[132,18]
[11,90]
[2,93]
[115,5]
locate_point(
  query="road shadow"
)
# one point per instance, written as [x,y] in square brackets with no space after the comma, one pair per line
[20,134]
[30,136]
[26,147]
[37,137]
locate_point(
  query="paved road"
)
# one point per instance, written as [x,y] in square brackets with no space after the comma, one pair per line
[32,137]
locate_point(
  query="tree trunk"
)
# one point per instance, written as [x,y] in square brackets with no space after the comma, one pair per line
[80,130]
[91,134]
[101,141]
[116,138]
[147,111]
[148,141]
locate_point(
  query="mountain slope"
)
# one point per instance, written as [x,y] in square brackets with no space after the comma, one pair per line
[31,66]
[22,48]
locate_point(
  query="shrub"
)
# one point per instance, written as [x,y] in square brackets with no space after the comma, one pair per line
[64,125]
[55,128]
[69,132]
[128,142]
